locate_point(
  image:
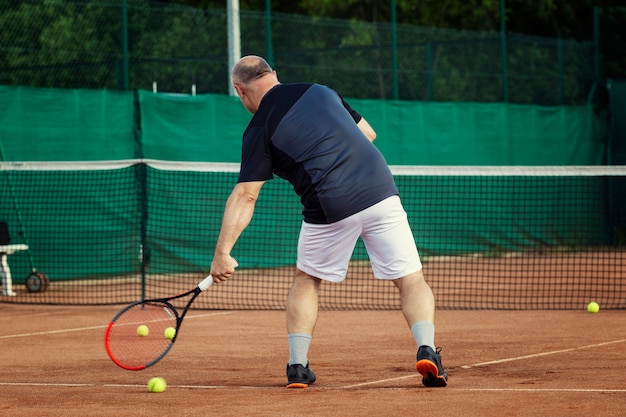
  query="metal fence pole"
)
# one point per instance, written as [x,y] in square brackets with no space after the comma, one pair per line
[429,71]
[234,40]
[596,42]
[269,48]
[394,50]
[561,70]
[125,81]
[505,65]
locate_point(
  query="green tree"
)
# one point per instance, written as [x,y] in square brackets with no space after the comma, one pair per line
[79,44]
[549,18]
[537,17]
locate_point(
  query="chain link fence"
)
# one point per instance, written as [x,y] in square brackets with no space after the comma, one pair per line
[140,44]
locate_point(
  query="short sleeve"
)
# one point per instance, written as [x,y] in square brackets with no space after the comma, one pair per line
[256,156]
[355,114]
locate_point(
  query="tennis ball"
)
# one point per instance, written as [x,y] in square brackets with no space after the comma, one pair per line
[156,384]
[169,333]
[143,330]
[593,307]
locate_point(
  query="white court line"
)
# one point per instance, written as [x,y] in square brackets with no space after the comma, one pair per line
[12,317]
[41,384]
[313,388]
[495,362]
[536,355]
[600,390]
[319,388]
[187,386]
[77,329]
[382,381]
[80,329]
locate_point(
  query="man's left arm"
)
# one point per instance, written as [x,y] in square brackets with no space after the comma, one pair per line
[360,121]
[367,130]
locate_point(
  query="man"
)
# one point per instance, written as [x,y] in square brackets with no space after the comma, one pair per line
[307,134]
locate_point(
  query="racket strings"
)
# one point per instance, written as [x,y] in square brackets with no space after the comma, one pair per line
[132,347]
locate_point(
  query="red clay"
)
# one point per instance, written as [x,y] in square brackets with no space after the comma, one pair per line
[232,363]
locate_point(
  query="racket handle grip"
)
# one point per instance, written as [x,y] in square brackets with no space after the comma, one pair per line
[205,283]
[208,281]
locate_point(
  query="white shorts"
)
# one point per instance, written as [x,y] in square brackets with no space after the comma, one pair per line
[324,250]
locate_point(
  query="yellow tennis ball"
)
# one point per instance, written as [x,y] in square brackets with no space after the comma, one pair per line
[156,384]
[169,333]
[593,307]
[143,330]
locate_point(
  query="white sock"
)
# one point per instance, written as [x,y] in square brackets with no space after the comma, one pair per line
[424,333]
[299,348]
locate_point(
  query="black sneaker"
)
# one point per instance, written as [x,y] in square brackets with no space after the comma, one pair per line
[299,376]
[429,365]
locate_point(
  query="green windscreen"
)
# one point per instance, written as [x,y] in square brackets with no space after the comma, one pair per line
[191,128]
[424,133]
[39,124]
[209,128]
[85,125]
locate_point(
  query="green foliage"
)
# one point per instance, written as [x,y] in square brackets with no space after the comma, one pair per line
[78,44]
[179,48]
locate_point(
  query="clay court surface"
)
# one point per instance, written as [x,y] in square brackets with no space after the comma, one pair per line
[231,363]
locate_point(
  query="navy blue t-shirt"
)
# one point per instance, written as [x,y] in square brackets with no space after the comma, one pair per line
[307,134]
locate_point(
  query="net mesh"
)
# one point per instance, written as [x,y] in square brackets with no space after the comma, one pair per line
[489,237]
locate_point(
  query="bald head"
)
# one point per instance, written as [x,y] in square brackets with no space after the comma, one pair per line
[250,68]
[252,77]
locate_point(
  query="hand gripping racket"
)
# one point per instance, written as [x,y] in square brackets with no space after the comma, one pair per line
[135,348]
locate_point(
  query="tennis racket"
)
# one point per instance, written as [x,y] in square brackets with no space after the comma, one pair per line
[136,337]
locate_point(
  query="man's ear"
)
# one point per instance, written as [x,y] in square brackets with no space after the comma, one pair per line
[239,90]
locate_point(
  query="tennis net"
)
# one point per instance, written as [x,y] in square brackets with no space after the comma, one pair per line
[112,232]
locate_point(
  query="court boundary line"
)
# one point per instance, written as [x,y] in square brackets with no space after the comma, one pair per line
[536,355]
[496,362]
[312,388]
[104,326]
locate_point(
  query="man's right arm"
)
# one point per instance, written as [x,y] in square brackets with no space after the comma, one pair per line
[237,216]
